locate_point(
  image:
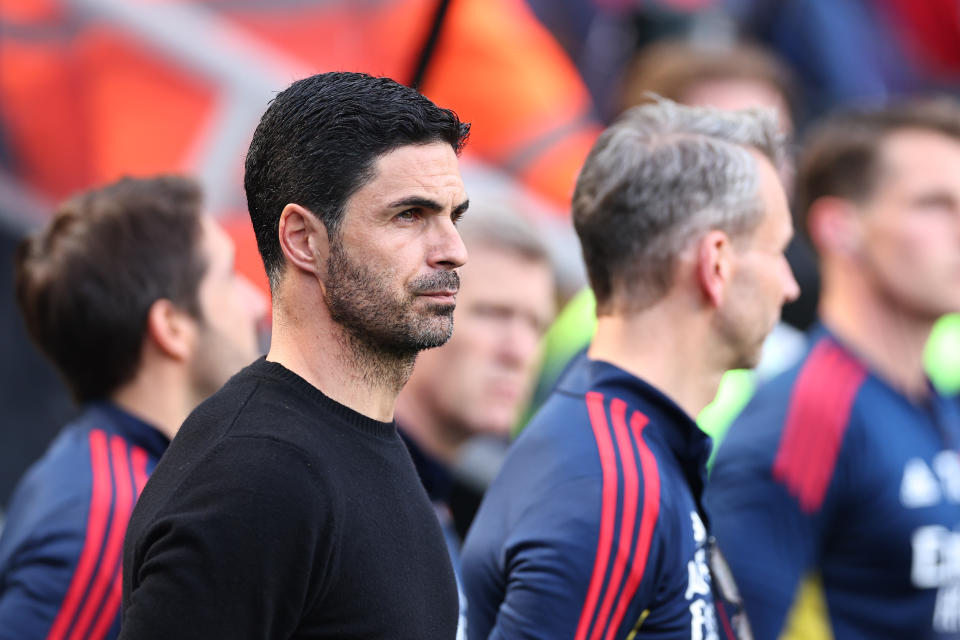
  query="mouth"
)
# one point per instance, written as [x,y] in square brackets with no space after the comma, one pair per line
[442,296]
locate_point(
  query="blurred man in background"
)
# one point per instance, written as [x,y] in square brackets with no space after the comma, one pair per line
[130,291]
[593,527]
[474,386]
[844,470]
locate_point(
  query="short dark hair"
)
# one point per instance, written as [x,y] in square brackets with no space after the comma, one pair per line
[85,282]
[841,156]
[317,143]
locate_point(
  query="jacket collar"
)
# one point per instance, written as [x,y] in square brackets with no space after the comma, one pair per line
[109,416]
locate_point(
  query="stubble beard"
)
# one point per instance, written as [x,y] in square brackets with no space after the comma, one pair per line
[384,331]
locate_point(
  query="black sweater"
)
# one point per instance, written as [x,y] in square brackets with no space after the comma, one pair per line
[279,513]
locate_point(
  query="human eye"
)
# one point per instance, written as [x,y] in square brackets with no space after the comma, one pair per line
[457,216]
[407,215]
[936,203]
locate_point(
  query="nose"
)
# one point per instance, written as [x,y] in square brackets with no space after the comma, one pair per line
[448,250]
[255,301]
[791,289]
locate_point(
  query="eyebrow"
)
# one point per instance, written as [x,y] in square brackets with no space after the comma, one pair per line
[427,203]
[934,198]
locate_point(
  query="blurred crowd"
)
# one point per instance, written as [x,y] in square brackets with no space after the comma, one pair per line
[108,92]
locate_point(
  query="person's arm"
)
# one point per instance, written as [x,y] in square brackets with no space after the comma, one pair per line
[566,573]
[240,550]
[36,578]
[62,575]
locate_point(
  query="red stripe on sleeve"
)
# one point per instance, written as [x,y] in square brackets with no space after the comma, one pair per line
[96,528]
[138,464]
[648,520]
[631,489]
[110,559]
[110,607]
[608,462]
[816,421]
[138,460]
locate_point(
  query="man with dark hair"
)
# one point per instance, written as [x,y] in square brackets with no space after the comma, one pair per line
[288,506]
[130,292]
[594,528]
[842,474]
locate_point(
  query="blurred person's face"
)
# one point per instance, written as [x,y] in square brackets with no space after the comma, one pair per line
[909,228]
[762,281]
[391,279]
[231,307]
[480,380]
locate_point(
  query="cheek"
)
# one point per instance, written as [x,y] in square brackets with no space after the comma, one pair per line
[911,252]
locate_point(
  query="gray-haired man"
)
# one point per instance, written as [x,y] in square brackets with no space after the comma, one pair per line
[594,527]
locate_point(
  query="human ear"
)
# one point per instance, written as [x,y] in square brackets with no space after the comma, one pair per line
[304,240]
[713,267]
[172,330]
[834,226]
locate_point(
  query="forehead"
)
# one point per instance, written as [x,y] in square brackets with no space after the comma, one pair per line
[777,221]
[502,276]
[921,158]
[215,241]
[412,169]
[730,94]
[500,267]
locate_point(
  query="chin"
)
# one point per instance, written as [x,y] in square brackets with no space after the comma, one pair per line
[493,425]
[748,359]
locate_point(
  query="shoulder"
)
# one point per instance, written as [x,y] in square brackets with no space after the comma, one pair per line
[793,430]
[268,402]
[600,485]
[69,515]
[241,489]
[249,468]
[86,468]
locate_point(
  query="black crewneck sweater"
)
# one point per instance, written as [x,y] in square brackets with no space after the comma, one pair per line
[280,513]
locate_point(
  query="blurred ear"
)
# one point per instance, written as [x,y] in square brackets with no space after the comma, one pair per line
[304,240]
[714,266]
[834,226]
[172,330]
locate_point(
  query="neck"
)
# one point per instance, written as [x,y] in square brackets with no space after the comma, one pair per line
[306,341]
[886,336]
[665,349]
[424,427]
[158,397]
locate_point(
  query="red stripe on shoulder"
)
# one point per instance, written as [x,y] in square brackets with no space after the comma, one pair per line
[816,421]
[107,572]
[648,521]
[608,462]
[631,489]
[93,540]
